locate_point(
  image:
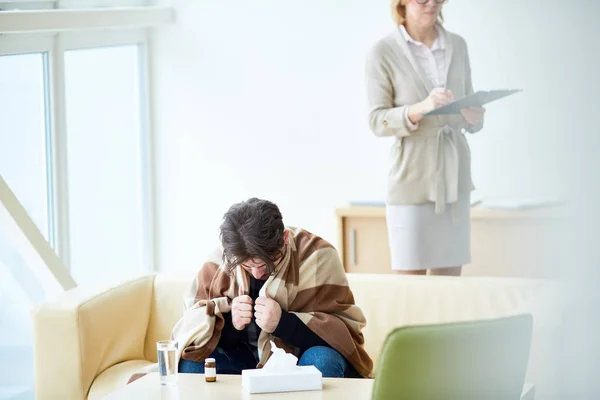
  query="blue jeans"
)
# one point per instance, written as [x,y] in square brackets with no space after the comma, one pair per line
[230,361]
[327,360]
[233,360]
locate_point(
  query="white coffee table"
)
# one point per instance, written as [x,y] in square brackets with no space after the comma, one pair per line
[193,387]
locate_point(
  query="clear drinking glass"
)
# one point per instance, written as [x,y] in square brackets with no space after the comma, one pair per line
[167,367]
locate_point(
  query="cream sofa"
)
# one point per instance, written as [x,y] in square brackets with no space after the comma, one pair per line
[88,343]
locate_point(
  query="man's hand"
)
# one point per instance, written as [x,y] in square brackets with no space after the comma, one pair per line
[241,311]
[267,313]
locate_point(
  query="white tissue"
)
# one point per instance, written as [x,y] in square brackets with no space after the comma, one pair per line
[280,360]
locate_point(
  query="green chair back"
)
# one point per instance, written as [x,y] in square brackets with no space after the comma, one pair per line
[483,360]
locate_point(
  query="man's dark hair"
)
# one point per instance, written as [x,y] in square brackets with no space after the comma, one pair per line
[252,229]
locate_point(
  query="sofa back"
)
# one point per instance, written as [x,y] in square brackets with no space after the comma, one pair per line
[390,301]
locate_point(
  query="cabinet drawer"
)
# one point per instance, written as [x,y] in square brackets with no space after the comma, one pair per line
[365,244]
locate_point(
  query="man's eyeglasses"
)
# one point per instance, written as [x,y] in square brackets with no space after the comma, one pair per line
[276,260]
[427,1]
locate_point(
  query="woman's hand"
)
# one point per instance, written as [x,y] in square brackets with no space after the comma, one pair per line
[437,97]
[473,115]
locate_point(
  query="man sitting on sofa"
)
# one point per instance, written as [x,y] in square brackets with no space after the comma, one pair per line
[268,282]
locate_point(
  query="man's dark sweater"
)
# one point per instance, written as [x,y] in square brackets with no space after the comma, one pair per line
[290,329]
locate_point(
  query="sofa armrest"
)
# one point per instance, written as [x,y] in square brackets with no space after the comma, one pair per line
[79,334]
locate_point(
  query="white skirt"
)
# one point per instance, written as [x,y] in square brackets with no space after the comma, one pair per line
[421,239]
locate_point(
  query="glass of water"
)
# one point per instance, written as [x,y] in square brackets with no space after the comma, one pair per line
[167,367]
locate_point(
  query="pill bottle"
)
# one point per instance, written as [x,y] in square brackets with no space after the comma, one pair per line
[210,370]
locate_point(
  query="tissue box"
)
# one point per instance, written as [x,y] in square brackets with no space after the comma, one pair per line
[298,379]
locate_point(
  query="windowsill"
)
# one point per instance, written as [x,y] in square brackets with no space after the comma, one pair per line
[56,20]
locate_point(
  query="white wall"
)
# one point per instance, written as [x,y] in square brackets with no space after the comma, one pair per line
[267,98]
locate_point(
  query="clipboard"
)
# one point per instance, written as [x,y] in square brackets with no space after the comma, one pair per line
[477,99]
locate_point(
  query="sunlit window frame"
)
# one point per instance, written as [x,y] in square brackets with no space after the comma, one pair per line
[112,26]
[69,4]
[38,243]
[29,16]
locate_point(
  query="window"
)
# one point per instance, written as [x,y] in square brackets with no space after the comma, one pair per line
[74,140]
[104,149]
[24,133]
[25,281]
[74,145]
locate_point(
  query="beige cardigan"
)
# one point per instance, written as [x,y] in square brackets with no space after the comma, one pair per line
[432,163]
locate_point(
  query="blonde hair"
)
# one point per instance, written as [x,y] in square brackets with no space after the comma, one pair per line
[399,12]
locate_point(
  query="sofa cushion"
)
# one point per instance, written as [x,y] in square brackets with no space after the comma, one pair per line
[416,300]
[166,308]
[114,378]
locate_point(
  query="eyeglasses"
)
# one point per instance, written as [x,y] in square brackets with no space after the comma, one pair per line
[427,1]
[277,259]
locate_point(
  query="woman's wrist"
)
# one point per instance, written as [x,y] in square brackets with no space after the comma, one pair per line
[415,113]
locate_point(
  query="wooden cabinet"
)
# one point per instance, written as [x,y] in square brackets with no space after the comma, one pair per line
[363,241]
[503,243]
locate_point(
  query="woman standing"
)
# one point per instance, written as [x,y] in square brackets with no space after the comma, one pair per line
[415,69]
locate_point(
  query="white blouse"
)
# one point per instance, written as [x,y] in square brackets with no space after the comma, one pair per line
[431,60]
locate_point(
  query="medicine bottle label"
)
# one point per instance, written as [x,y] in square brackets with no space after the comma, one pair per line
[210,372]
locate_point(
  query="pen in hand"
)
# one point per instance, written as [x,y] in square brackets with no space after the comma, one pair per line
[438,97]
[447,93]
